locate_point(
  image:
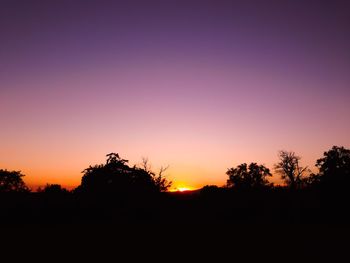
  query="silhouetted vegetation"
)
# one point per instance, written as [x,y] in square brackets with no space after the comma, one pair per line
[248,177]
[159,180]
[116,191]
[116,177]
[208,189]
[290,170]
[11,181]
[334,168]
[53,189]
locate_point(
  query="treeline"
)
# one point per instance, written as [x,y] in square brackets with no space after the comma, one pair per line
[113,177]
[333,172]
[116,191]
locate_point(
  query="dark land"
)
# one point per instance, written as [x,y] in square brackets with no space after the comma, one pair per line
[120,208]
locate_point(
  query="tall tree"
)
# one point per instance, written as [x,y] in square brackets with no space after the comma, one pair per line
[11,181]
[248,177]
[290,170]
[334,167]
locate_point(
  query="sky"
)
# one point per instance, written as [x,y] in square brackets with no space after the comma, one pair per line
[199,86]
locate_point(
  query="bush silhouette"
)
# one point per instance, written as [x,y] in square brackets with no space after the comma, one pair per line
[53,189]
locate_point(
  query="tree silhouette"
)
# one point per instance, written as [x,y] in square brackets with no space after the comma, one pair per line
[11,181]
[334,167]
[117,177]
[210,191]
[161,183]
[54,189]
[114,159]
[106,177]
[248,177]
[290,170]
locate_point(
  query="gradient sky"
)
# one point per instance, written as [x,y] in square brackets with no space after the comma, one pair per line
[200,86]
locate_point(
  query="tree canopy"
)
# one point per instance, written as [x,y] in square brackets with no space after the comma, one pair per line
[290,170]
[248,177]
[11,181]
[116,176]
[53,189]
[334,167]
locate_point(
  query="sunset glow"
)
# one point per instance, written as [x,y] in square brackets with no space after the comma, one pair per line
[181,189]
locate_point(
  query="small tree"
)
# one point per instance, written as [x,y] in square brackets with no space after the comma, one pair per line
[248,177]
[159,180]
[11,181]
[290,170]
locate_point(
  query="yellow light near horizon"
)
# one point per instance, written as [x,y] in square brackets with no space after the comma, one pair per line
[182,189]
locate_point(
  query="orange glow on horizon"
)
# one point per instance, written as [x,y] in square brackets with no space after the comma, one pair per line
[182,189]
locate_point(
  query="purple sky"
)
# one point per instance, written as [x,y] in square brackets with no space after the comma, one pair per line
[198,85]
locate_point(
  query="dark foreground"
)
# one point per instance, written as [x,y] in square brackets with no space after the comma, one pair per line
[146,242]
[276,206]
[290,227]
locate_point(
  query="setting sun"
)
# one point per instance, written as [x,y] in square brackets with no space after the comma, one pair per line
[182,189]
